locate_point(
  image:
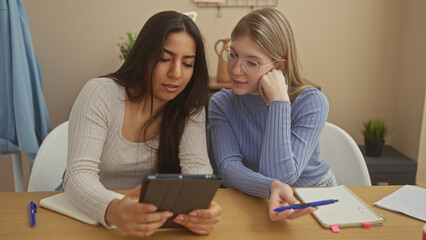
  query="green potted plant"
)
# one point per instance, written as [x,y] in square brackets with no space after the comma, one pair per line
[126,44]
[375,131]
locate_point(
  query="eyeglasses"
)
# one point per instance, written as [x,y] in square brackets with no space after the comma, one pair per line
[248,66]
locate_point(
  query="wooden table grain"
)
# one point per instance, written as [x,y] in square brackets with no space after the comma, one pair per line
[244,217]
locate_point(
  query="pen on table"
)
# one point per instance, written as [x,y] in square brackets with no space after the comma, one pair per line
[305,205]
[33,210]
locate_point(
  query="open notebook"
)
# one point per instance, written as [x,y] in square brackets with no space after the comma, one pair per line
[349,211]
[62,204]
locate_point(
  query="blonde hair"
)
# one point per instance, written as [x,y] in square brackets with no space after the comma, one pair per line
[271,31]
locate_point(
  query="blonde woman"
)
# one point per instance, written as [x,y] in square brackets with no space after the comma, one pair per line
[265,130]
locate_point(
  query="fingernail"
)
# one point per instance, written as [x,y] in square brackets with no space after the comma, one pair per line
[193,214]
[169,214]
[179,218]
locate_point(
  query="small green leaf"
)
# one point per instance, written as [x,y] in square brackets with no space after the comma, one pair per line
[126,44]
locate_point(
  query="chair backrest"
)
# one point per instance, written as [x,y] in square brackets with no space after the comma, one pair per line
[210,151]
[50,161]
[340,150]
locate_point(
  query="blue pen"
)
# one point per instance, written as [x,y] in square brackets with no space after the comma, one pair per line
[33,210]
[305,205]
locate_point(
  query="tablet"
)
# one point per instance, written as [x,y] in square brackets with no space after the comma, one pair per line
[179,193]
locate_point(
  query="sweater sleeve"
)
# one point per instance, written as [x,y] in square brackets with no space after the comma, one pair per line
[292,134]
[227,153]
[193,147]
[86,136]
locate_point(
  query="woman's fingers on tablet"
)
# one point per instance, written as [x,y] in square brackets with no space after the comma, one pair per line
[145,229]
[139,224]
[137,207]
[212,212]
[131,203]
[153,217]
[201,221]
[197,224]
[215,209]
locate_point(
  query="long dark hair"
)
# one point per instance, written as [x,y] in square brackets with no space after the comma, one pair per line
[136,74]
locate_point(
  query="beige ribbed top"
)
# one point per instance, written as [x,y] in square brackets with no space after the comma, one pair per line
[100,158]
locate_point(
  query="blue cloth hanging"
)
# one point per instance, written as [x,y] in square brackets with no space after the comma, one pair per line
[24,120]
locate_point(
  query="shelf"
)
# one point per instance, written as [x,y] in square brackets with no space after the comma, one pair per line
[391,168]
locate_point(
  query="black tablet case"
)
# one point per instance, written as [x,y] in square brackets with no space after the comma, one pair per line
[179,193]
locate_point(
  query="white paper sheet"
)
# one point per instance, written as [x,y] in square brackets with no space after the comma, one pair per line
[409,200]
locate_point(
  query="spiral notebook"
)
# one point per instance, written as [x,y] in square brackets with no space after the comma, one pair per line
[349,211]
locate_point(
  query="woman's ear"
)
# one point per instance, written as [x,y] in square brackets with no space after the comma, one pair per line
[282,64]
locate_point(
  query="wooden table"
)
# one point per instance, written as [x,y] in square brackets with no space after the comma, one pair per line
[244,217]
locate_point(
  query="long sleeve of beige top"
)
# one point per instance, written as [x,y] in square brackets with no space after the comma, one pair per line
[101,159]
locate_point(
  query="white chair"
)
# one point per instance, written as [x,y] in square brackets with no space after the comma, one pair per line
[340,150]
[51,160]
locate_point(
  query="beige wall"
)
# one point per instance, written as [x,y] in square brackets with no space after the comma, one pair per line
[366,55]
[411,79]
[421,163]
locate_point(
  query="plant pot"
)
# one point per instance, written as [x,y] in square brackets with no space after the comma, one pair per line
[373,149]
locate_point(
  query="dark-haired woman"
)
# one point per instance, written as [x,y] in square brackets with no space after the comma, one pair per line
[147,117]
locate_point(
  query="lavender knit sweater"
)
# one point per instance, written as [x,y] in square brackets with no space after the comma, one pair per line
[254,144]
